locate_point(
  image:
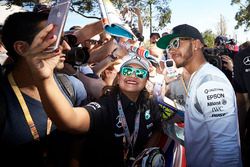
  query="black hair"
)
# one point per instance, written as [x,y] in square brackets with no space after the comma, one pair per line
[21,26]
[220,40]
[155,33]
[73,28]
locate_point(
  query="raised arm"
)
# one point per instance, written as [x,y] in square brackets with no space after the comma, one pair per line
[88,31]
[57,107]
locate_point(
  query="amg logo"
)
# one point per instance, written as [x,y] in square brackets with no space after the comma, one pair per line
[218,115]
[215,96]
[216,109]
[213,103]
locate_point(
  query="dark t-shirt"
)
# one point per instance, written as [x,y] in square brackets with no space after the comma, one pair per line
[17,145]
[241,79]
[104,145]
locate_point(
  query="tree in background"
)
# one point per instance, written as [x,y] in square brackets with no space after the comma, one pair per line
[243,15]
[151,10]
[154,12]
[209,37]
[222,26]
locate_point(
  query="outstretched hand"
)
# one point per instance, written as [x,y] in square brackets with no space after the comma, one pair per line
[41,63]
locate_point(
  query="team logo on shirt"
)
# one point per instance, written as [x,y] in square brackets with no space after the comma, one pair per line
[94,105]
[211,90]
[147,115]
[215,96]
[223,101]
[214,103]
[119,122]
[217,109]
[219,115]
[246,60]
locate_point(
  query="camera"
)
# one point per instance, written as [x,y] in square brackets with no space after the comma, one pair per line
[213,55]
[70,38]
[138,35]
[77,56]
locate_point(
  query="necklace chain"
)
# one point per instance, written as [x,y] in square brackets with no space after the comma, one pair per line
[192,76]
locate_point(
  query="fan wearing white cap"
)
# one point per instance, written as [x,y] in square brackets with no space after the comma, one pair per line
[119,125]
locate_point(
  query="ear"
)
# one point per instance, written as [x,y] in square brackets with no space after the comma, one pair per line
[200,45]
[197,45]
[21,47]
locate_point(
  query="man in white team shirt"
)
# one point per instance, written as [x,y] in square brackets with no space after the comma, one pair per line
[211,120]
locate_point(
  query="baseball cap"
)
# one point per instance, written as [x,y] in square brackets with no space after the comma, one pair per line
[137,60]
[183,30]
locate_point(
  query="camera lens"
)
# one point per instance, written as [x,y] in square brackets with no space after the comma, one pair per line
[71,40]
[77,56]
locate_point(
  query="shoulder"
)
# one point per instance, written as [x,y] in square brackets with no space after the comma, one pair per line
[211,73]
[74,81]
[103,103]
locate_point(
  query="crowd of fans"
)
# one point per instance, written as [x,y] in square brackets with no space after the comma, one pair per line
[93,102]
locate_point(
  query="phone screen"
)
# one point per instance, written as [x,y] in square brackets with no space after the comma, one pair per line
[57,17]
[169,63]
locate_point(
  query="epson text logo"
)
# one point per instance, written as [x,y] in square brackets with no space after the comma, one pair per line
[215,96]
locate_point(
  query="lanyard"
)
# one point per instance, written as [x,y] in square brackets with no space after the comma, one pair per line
[25,109]
[131,139]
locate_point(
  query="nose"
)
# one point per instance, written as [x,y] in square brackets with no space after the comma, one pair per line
[133,75]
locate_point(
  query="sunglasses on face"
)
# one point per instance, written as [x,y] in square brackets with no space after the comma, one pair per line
[175,43]
[139,73]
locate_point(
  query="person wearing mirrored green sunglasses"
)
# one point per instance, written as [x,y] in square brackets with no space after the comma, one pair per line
[120,124]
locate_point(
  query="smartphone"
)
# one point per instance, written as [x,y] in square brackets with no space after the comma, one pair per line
[171,70]
[57,16]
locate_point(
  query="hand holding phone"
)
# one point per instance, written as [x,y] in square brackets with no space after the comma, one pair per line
[57,17]
[171,70]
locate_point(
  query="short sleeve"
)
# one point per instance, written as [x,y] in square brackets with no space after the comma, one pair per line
[99,116]
[216,99]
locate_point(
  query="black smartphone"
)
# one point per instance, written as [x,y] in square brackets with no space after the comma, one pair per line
[57,16]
